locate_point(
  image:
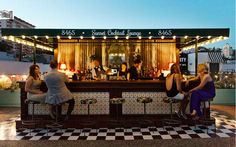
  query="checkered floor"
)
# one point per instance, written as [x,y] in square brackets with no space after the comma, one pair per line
[224,128]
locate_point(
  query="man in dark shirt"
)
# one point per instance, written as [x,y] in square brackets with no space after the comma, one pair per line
[97,69]
[133,71]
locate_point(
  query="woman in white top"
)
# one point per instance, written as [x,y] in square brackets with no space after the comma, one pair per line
[32,85]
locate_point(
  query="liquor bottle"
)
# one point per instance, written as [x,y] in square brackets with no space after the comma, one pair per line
[89,74]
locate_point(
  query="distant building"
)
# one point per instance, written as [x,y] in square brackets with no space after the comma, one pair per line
[218,60]
[228,52]
[16,22]
[12,50]
[19,51]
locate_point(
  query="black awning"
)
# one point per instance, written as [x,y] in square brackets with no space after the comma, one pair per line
[76,33]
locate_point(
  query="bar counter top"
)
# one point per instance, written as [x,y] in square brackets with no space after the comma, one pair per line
[106,85]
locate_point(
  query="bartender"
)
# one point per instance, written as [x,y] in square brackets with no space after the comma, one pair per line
[133,71]
[97,69]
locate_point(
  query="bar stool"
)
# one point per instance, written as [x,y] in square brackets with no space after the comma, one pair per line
[88,102]
[145,100]
[31,124]
[171,121]
[117,102]
[55,124]
[207,119]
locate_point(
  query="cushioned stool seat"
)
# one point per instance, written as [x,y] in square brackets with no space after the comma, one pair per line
[144,100]
[88,101]
[117,101]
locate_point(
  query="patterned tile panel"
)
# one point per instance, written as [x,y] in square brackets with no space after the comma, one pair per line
[131,106]
[101,107]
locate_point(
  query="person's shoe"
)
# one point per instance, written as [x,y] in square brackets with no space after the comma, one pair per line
[52,116]
[194,113]
[66,118]
[26,101]
[183,115]
[178,114]
[195,118]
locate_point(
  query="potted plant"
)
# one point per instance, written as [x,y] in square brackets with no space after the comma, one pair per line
[225,89]
[9,92]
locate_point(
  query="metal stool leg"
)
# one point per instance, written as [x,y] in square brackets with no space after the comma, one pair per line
[55,124]
[89,117]
[171,111]
[144,109]
[89,110]
[30,123]
[56,113]
[33,112]
[171,121]
[116,112]
[146,122]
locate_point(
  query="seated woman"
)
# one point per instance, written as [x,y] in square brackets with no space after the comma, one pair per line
[32,85]
[173,89]
[204,91]
[122,74]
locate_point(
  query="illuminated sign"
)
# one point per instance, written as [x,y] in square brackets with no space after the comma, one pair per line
[115,33]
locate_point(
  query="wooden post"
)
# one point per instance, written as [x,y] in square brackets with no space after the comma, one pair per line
[34,53]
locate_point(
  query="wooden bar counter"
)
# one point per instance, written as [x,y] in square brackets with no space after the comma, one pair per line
[103,110]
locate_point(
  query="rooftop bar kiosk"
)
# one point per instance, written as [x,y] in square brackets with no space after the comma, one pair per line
[158,48]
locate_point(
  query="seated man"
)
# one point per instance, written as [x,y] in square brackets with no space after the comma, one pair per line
[57,90]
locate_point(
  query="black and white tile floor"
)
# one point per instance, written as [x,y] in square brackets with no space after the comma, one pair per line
[224,128]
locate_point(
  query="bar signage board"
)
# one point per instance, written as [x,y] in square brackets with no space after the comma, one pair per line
[183,62]
[116,32]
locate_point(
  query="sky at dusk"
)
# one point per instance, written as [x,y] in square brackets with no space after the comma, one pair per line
[126,14]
